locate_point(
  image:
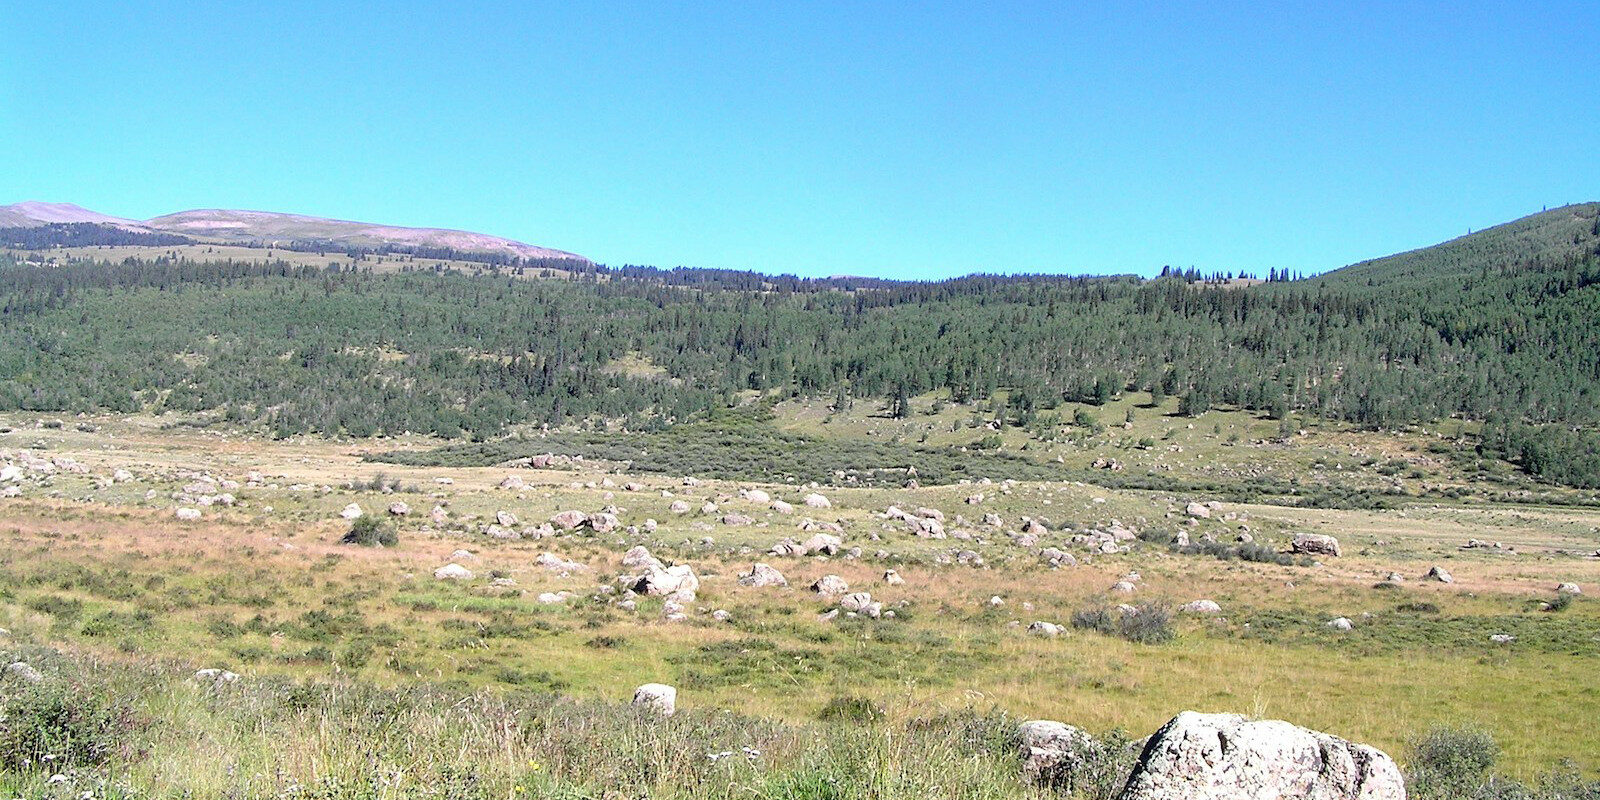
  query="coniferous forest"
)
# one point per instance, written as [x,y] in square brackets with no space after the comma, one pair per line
[1501,326]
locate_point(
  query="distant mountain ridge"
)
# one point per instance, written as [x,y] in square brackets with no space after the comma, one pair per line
[267,227]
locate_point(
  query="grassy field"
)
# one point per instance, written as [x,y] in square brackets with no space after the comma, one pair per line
[103,571]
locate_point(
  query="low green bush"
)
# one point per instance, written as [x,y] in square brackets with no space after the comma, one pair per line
[372,531]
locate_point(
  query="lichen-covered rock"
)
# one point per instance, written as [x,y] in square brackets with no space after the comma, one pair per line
[762,575]
[657,697]
[822,544]
[830,585]
[569,520]
[1227,757]
[676,583]
[1047,746]
[453,572]
[1201,607]
[23,671]
[1315,544]
[1048,629]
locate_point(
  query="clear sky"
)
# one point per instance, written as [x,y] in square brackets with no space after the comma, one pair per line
[913,140]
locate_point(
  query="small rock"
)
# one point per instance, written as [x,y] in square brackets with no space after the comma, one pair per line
[1201,607]
[656,697]
[22,671]
[453,572]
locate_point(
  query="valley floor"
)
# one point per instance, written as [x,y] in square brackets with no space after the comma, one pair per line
[98,564]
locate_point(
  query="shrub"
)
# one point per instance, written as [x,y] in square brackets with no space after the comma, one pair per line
[73,726]
[1149,623]
[1450,762]
[372,531]
[1093,770]
[850,708]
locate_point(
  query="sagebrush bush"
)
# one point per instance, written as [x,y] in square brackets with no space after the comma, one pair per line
[1150,622]
[851,708]
[372,531]
[53,724]
[1095,769]
[1450,762]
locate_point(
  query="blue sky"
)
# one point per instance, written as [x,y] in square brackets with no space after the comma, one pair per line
[912,140]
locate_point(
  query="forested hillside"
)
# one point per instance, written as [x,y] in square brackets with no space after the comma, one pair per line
[1500,325]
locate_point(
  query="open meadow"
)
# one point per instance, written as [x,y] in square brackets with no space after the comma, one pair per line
[141,550]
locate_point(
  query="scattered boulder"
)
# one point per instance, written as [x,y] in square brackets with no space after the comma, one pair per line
[761,575]
[603,522]
[1317,544]
[555,563]
[1201,607]
[1569,588]
[351,511]
[399,509]
[1123,587]
[569,520]
[1057,558]
[678,507]
[1045,745]
[782,507]
[1198,510]
[757,496]
[656,697]
[814,500]
[215,676]
[677,583]
[188,514]
[23,671]
[514,483]
[1227,757]
[830,585]
[1341,623]
[893,578]
[860,603]
[1502,638]
[1438,573]
[822,544]
[505,518]
[453,572]
[737,519]
[1048,629]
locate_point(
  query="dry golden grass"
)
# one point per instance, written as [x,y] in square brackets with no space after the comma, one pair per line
[201,584]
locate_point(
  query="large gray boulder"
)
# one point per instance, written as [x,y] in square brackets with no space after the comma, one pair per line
[1047,746]
[674,583]
[1228,757]
[762,575]
[1315,544]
